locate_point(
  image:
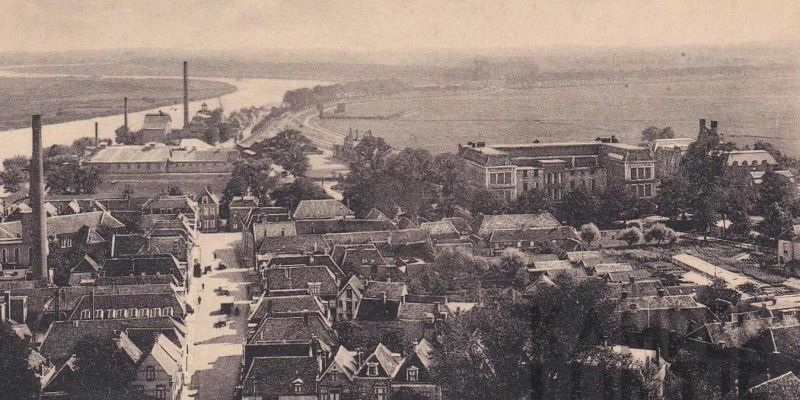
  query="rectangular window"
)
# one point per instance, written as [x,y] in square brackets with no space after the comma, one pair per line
[525,173]
[536,173]
[524,186]
[413,374]
[314,287]
[86,314]
[372,369]
[647,173]
[493,179]
[648,190]
[150,373]
[161,392]
[380,393]
[633,174]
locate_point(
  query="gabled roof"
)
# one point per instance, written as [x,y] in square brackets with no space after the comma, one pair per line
[750,157]
[393,290]
[163,264]
[577,256]
[285,305]
[86,264]
[418,311]
[299,277]
[484,225]
[206,195]
[277,376]
[321,209]
[737,334]
[302,329]
[128,301]
[72,223]
[534,234]
[377,310]
[600,269]
[784,387]
[376,214]
[167,355]
[293,245]
[125,344]
[343,362]
[305,259]
[243,202]
[324,226]
[387,361]
[441,229]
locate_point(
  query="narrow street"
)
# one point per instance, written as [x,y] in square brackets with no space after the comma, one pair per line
[215,354]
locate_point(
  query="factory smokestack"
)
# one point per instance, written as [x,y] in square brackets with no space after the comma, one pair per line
[185,94]
[125,108]
[39,234]
[96,136]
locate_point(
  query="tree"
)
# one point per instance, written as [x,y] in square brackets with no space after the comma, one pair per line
[17,380]
[479,355]
[741,225]
[80,145]
[252,176]
[589,232]
[512,259]
[657,232]
[71,178]
[566,320]
[579,207]
[301,189]
[653,133]
[616,204]
[532,201]
[452,177]
[288,149]
[370,157]
[774,189]
[631,235]
[123,135]
[487,202]
[719,298]
[776,220]
[673,197]
[15,172]
[101,366]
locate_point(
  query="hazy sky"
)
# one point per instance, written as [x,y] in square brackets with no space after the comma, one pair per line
[400,24]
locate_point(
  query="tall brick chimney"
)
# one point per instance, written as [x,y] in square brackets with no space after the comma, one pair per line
[39,228]
[125,108]
[96,136]
[185,94]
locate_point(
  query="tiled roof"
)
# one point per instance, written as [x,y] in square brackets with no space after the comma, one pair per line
[600,269]
[137,280]
[484,225]
[658,302]
[750,157]
[243,202]
[376,214]
[534,234]
[323,226]
[148,265]
[409,236]
[417,311]
[273,229]
[394,290]
[168,356]
[321,209]
[70,296]
[552,264]
[125,344]
[388,361]
[62,336]
[293,244]
[140,154]
[299,276]
[277,377]
[281,305]
[170,202]
[784,387]
[212,155]
[128,301]
[576,256]
[301,329]
[461,224]
[307,259]
[736,334]
[625,276]
[441,229]
[86,264]
[69,224]
[356,238]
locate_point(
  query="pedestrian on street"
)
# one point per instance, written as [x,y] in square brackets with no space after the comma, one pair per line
[202,286]
[199,299]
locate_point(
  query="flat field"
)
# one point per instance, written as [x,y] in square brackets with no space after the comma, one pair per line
[746,105]
[70,98]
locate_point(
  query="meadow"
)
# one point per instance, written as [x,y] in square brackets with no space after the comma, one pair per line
[747,106]
[61,99]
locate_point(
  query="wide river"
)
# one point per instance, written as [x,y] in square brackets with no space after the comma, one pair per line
[249,93]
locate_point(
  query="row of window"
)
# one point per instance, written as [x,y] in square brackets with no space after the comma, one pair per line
[753,163]
[641,173]
[642,190]
[161,390]
[500,178]
[11,257]
[127,313]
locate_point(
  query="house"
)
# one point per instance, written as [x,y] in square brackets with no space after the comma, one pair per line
[336,381]
[373,380]
[157,127]
[349,299]
[592,376]
[668,154]
[296,335]
[238,208]
[414,373]
[681,314]
[281,377]
[84,272]
[163,264]
[129,306]
[565,238]
[207,211]
[305,259]
[361,259]
[381,301]
[484,225]
[286,306]
[159,373]
[321,209]
[318,280]
[441,230]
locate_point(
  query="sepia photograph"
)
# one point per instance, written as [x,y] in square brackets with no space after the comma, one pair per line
[399,200]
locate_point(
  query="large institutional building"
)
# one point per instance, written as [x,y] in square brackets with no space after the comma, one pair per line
[557,168]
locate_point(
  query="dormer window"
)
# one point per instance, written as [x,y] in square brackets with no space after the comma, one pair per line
[297,386]
[412,374]
[372,369]
[314,287]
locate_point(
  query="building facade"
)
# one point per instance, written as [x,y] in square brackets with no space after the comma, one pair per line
[557,168]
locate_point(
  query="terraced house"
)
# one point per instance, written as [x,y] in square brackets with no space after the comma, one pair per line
[557,168]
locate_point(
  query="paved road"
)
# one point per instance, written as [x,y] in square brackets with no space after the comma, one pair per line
[215,354]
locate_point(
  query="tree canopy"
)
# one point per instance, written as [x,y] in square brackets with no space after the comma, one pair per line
[17,379]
